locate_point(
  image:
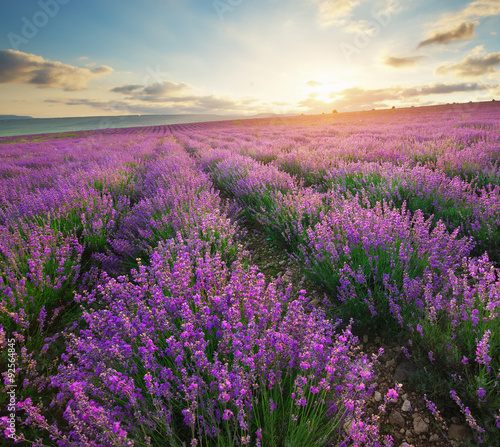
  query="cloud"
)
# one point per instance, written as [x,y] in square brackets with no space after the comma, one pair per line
[127,89]
[472,66]
[473,11]
[179,95]
[17,67]
[170,97]
[440,89]
[333,12]
[339,13]
[103,69]
[163,99]
[313,83]
[401,62]
[212,102]
[463,31]
[356,98]
[157,92]
[171,104]
[164,88]
[478,50]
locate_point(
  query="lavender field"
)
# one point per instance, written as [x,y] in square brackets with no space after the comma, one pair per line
[132,314]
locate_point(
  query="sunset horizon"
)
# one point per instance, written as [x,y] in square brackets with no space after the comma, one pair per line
[62,58]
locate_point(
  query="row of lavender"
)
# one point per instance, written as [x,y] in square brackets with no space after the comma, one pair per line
[192,347]
[381,261]
[400,240]
[450,172]
[464,144]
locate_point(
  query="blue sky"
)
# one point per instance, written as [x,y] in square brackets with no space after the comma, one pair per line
[114,57]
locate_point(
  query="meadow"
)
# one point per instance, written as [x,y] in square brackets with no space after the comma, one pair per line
[131,313]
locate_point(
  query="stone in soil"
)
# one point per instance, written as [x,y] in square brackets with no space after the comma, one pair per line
[396,419]
[420,426]
[458,432]
[406,406]
[390,363]
[404,371]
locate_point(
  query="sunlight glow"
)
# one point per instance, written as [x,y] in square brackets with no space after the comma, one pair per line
[326,91]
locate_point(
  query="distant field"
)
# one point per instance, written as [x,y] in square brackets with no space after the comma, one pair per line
[130,313]
[34,126]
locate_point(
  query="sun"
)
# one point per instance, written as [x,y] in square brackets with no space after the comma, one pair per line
[325,90]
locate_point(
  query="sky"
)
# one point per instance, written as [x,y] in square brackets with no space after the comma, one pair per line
[63,58]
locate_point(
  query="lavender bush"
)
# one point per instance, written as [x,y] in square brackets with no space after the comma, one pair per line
[38,270]
[193,351]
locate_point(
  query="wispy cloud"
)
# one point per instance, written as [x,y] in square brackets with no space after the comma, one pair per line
[151,92]
[345,14]
[173,98]
[401,62]
[472,66]
[356,98]
[166,91]
[473,11]
[313,83]
[17,67]
[127,89]
[335,12]
[198,104]
[461,32]
[167,97]
[161,90]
